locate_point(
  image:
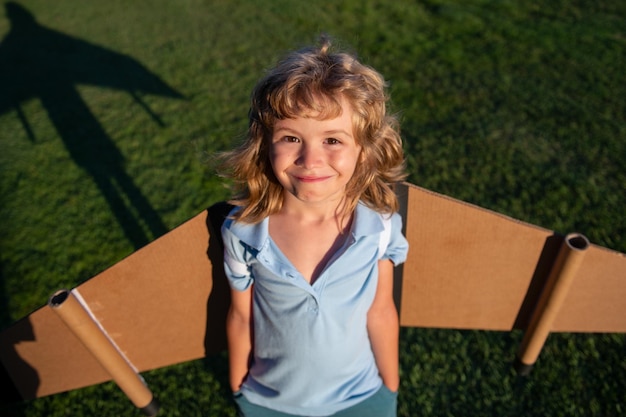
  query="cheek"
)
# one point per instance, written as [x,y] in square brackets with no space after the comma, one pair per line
[278,156]
[348,163]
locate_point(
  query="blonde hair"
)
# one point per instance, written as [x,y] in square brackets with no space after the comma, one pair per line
[312,81]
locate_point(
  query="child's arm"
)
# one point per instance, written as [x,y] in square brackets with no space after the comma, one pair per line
[383,327]
[239,333]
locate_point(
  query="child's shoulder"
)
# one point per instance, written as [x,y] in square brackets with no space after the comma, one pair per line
[253,234]
[365,212]
[371,221]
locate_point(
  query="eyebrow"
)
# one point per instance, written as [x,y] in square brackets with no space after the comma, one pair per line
[334,132]
[326,133]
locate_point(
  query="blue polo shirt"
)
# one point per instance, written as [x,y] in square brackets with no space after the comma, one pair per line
[311,351]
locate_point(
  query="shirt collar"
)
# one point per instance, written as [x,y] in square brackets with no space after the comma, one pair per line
[366,222]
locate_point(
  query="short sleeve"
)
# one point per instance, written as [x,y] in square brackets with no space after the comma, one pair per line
[235,266]
[398,247]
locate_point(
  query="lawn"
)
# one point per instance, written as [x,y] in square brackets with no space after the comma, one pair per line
[110,113]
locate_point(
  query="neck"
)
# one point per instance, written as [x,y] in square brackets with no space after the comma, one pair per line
[313,213]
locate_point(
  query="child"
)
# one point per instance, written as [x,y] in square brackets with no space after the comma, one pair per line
[309,251]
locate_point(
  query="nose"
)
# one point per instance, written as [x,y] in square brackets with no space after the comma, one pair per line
[310,156]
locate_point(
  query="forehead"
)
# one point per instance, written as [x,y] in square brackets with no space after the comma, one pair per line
[316,123]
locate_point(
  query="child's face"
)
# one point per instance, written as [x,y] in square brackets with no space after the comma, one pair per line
[314,159]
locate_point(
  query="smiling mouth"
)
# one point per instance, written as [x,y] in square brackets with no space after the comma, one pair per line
[311,179]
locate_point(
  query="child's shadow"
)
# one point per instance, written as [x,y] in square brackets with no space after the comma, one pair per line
[40,63]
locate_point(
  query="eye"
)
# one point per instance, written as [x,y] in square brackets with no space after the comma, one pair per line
[333,141]
[291,139]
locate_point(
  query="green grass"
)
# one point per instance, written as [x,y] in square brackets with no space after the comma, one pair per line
[516,106]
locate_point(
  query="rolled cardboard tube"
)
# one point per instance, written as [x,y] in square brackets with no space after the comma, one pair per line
[562,274]
[82,323]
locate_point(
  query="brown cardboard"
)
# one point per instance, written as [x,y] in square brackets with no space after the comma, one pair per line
[471,268]
[595,301]
[468,268]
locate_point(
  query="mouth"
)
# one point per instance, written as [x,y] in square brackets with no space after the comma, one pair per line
[311,178]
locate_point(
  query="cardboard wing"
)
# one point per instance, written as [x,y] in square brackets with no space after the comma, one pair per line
[471,268]
[164,304]
[468,268]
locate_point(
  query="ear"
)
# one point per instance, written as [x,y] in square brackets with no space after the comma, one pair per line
[362,156]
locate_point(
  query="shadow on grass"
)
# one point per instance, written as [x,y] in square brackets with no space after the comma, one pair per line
[40,63]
